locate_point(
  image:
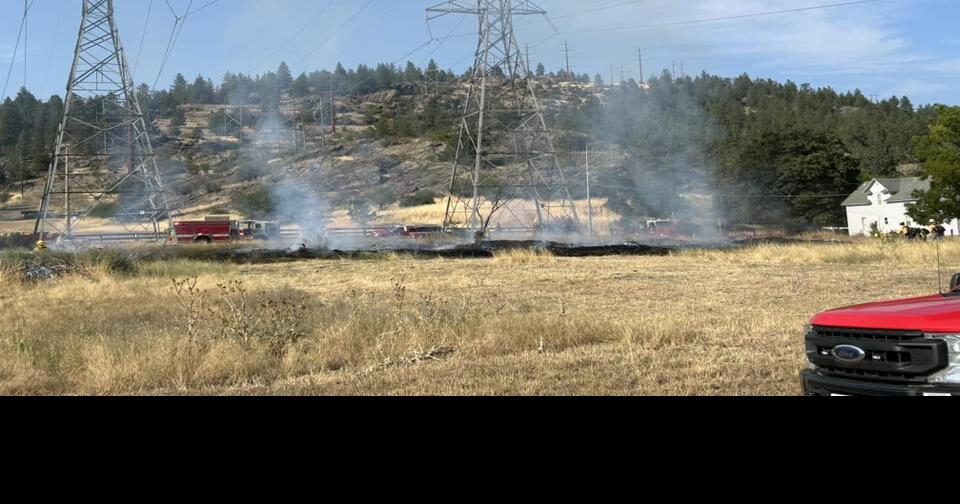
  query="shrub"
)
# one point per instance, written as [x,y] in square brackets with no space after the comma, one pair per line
[27,267]
[256,204]
[212,186]
[276,319]
[249,171]
[382,196]
[420,198]
[196,168]
[105,210]
[11,241]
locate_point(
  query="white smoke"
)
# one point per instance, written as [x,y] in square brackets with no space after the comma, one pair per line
[297,204]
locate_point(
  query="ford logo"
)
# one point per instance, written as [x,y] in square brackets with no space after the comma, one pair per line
[849,353]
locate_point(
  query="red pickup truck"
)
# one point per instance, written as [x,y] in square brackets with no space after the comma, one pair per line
[908,347]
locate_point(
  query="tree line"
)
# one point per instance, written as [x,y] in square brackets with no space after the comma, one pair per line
[768,151]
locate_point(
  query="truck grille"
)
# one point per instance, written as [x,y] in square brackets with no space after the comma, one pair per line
[891,356]
[868,335]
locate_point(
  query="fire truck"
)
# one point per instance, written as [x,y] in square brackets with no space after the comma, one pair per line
[223,229]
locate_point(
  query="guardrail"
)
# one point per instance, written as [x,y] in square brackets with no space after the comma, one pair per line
[119,237]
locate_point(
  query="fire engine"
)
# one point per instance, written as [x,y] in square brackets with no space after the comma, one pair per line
[223,229]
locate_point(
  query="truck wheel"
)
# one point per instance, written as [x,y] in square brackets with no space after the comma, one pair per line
[203,240]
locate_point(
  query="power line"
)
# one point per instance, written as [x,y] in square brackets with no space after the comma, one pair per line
[597,9]
[143,37]
[395,62]
[46,74]
[204,6]
[172,10]
[729,18]
[26,38]
[178,23]
[690,21]
[304,28]
[334,34]
[16,48]
[442,40]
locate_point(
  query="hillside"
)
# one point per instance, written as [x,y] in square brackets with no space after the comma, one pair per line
[282,165]
[673,147]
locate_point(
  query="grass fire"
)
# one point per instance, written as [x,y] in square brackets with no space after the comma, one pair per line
[478,198]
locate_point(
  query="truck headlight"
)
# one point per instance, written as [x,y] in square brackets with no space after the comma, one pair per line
[807,329]
[950,375]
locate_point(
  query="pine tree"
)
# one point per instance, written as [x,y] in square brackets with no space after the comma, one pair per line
[284,77]
[180,91]
[301,86]
[412,73]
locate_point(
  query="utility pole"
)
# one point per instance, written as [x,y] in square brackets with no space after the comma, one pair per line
[640,54]
[66,188]
[589,198]
[566,56]
[503,126]
[296,128]
[613,79]
[26,17]
[20,164]
[333,110]
[527,51]
[323,124]
[100,85]
[623,75]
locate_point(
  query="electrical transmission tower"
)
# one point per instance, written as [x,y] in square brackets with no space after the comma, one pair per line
[104,164]
[505,156]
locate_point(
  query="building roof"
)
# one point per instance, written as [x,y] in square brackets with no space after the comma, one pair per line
[901,190]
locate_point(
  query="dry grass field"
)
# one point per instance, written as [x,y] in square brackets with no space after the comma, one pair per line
[524,323]
[602,216]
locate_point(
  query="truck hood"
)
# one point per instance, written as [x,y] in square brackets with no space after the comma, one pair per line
[936,314]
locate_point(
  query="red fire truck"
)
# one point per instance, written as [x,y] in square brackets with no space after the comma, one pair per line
[223,229]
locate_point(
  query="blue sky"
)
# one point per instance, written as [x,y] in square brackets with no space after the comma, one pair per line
[891,47]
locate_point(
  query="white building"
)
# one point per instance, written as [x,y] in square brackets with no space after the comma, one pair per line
[884,202]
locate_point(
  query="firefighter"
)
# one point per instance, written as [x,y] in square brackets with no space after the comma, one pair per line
[904,231]
[40,247]
[937,231]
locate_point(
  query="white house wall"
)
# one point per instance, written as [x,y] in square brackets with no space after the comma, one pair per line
[888,217]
